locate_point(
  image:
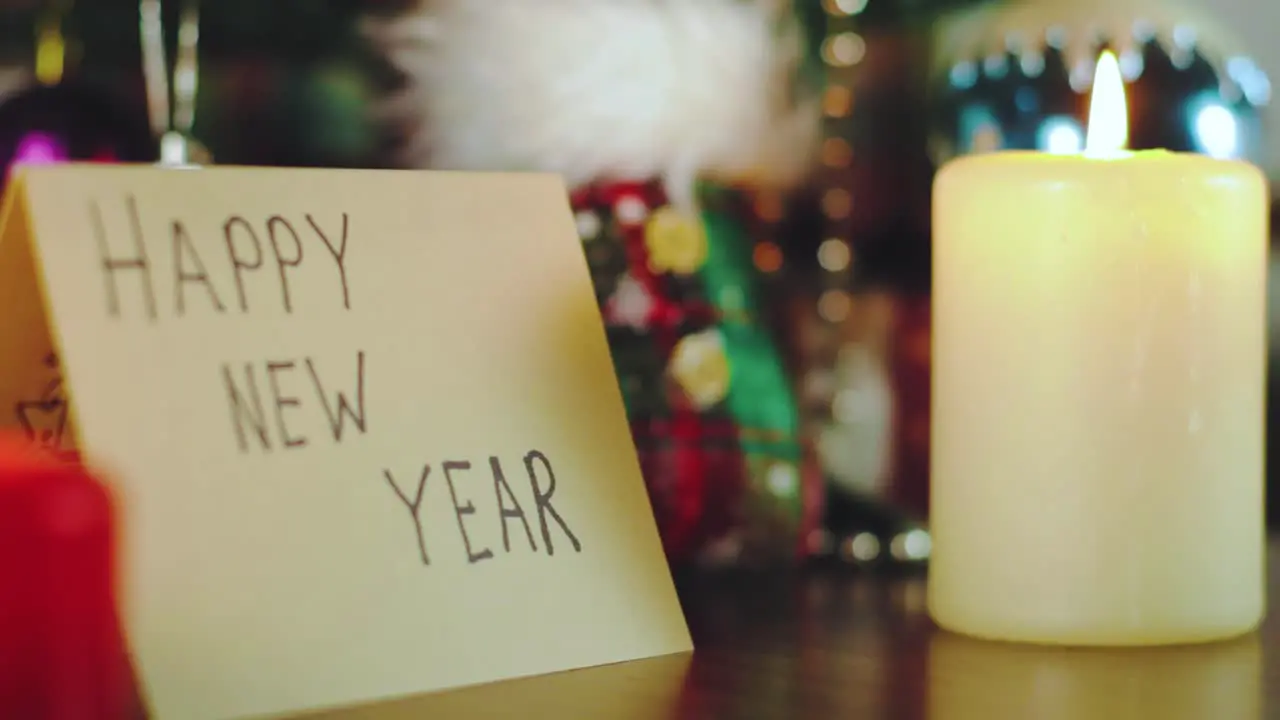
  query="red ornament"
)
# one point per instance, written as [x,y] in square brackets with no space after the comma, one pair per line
[62,652]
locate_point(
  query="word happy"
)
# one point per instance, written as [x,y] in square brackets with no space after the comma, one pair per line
[275,246]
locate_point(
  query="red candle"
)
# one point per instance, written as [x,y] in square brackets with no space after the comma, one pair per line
[62,654]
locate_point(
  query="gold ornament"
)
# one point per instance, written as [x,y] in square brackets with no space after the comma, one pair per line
[700,367]
[676,243]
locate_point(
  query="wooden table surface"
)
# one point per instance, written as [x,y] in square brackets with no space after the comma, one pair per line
[829,644]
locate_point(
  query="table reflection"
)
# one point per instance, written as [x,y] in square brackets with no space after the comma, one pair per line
[970,679]
[638,690]
[822,646]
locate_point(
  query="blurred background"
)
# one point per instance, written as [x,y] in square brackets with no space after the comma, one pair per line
[800,266]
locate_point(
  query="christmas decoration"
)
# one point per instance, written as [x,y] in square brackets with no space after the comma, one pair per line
[581,91]
[173,125]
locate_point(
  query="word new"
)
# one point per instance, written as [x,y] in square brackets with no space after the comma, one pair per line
[284,382]
[224,274]
[506,504]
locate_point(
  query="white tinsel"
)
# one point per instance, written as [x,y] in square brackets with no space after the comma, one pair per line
[603,89]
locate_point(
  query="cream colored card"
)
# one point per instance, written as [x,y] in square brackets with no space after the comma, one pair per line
[364,425]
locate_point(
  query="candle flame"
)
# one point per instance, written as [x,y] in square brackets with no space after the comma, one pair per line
[1108,112]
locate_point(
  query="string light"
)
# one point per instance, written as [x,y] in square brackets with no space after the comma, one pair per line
[834,306]
[834,255]
[767,257]
[837,101]
[844,50]
[837,203]
[768,206]
[836,152]
[839,8]
[51,48]
[39,148]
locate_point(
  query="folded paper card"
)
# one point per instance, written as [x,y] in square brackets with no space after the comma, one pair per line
[365,427]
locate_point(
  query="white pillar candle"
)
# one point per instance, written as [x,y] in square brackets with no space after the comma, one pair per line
[1099,366]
